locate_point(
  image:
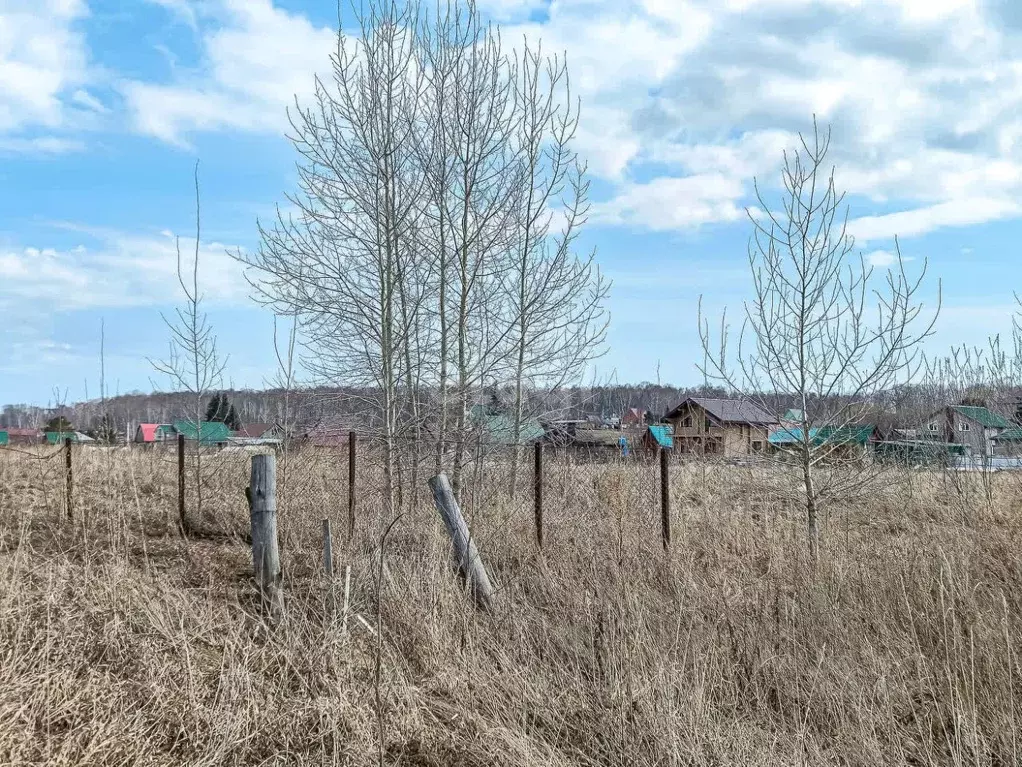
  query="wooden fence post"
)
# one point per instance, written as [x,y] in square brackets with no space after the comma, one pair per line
[665,498]
[262,499]
[465,553]
[328,567]
[68,479]
[181,482]
[352,448]
[537,493]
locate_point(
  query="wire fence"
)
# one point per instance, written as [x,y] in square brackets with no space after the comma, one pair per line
[538,496]
[528,492]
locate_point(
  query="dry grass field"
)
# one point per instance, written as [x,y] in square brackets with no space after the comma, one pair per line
[123,644]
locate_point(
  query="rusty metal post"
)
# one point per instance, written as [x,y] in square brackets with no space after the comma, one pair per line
[352,451]
[665,498]
[538,493]
[181,481]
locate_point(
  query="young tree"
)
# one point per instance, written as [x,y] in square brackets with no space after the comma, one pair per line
[193,363]
[556,300]
[818,329]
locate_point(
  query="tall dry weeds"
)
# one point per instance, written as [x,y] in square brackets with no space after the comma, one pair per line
[123,644]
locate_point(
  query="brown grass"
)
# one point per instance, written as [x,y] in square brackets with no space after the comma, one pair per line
[122,644]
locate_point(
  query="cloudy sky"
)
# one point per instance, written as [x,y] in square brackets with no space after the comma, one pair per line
[106,104]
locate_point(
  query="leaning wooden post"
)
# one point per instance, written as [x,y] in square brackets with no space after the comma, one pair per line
[465,553]
[262,499]
[537,493]
[181,482]
[68,478]
[352,448]
[665,498]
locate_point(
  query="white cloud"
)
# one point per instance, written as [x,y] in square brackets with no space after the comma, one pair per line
[923,96]
[257,57]
[122,270]
[43,61]
[673,203]
[918,221]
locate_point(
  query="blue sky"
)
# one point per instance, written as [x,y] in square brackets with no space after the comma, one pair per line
[106,105]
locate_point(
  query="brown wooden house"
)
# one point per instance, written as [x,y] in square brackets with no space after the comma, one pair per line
[720,427]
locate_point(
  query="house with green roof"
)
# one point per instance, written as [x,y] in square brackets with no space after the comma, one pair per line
[840,442]
[498,428]
[976,427]
[207,433]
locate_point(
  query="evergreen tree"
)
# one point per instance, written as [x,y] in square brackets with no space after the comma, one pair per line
[233,421]
[221,410]
[59,423]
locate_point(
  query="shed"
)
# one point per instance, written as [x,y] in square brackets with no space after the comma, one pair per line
[5,438]
[659,436]
[60,437]
[154,432]
[208,432]
[498,428]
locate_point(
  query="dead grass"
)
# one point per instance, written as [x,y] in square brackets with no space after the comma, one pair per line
[121,644]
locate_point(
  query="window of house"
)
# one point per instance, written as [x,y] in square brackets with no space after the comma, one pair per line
[934,427]
[686,422]
[757,446]
[963,426]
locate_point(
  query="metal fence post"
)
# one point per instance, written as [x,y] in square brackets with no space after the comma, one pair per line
[68,478]
[665,498]
[181,481]
[352,449]
[538,493]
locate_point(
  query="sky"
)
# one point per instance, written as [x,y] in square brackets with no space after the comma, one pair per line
[106,105]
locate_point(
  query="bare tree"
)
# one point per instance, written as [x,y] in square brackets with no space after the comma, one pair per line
[818,329]
[556,300]
[193,363]
[337,262]
[472,170]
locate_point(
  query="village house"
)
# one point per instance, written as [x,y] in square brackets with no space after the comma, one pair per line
[724,427]
[152,433]
[19,436]
[850,442]
[975,427]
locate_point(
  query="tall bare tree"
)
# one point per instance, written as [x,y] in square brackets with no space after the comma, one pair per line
[555,299]
[420,256]
[819,328]
[336,263]
[193,363]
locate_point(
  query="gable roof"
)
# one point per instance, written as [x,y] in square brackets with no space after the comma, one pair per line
[729,410]
[831,435]
[29,432]
[792,414]
[634,414]
[982,416]
[209,432]
[499,428]
[150,431]
[255,430]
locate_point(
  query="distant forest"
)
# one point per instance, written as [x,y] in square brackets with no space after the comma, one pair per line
[348,406]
